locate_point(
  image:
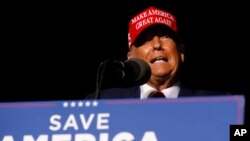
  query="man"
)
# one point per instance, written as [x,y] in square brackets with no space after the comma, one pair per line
[153,37]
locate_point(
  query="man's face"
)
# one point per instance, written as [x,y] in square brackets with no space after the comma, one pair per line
[160,51]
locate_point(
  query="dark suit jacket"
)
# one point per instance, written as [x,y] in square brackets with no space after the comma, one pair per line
[134,92]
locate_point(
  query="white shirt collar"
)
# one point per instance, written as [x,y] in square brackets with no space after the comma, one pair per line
[171,92]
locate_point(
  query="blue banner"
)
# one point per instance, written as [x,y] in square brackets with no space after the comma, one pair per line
[190,118]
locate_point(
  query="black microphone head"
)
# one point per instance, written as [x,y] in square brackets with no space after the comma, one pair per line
[137,72]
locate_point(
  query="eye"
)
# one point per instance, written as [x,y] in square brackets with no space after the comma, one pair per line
[147,43]
[164,38]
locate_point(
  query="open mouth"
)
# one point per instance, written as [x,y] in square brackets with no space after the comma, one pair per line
[159,59]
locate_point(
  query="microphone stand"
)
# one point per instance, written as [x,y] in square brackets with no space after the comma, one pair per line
[132,72]
[99,78]
[118,67]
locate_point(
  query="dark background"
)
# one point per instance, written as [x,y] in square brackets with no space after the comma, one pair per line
[51,51]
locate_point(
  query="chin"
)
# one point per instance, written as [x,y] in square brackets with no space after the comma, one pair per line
[160,73]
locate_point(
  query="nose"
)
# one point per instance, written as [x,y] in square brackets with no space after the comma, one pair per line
[156,43]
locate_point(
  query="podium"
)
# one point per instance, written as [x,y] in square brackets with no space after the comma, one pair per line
[188,118]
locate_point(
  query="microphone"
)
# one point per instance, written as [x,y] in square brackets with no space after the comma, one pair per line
[114,73]
[132,72]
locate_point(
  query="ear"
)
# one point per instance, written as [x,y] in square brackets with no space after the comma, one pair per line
[129,55]
[182,57]
[182,51]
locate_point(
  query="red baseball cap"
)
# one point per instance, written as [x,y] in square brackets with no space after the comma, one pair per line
[148,17]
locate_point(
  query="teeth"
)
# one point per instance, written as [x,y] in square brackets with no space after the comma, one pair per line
[159,57]
[159,61]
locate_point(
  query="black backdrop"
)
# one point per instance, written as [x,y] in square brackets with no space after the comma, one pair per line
[51,51]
